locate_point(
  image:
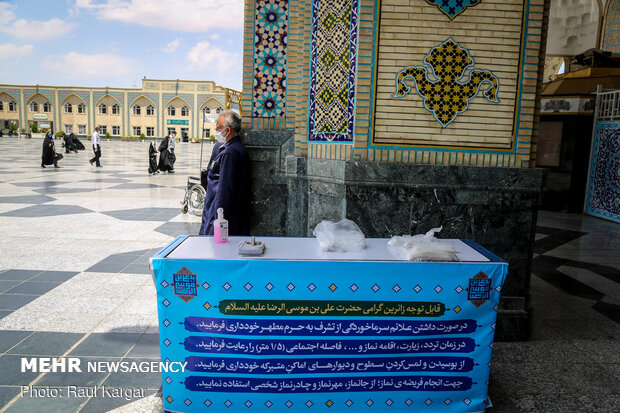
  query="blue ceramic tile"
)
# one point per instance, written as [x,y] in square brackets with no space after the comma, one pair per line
[106,344]
[14,301]
[10,338]
[20,275]
[46,343]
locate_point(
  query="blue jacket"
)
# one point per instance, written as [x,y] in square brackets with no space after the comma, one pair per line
[228,188]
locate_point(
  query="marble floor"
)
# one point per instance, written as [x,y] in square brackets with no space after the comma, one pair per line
[74,274]
[74,281]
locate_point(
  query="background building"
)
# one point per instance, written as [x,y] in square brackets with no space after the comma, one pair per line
[583,54]
[578,25]
[153,110]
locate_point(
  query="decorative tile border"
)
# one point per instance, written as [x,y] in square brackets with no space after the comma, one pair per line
[449,95]
[519,154]
[14,93]
[610,40]
[333,70]
[453,8]
[603,197]
[270,58]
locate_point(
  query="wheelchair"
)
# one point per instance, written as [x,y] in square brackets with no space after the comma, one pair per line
[194,199]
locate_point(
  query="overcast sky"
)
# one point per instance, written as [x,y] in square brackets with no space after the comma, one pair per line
[117,42]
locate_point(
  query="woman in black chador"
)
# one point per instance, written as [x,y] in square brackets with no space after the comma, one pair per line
[165,161]
[76,142]
[69,145]
[153,158]
[49,157]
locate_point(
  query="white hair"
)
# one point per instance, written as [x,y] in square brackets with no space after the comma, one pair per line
[231,120]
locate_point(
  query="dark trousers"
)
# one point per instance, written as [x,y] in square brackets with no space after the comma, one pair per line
[97,155]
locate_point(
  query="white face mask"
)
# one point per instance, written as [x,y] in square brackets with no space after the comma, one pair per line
[219,137]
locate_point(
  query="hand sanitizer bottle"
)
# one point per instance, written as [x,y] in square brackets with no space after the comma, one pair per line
[220,228]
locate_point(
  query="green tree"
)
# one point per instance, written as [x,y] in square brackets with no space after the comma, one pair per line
[34,127]
[107,135]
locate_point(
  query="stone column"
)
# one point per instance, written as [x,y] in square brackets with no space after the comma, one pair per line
[495,207]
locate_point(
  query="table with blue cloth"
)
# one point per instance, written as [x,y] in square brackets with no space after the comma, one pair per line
[299,329]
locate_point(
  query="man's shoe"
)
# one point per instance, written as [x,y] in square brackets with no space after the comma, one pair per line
[42,166]
[91,162]
[56,166]
[171,172]
[99,166]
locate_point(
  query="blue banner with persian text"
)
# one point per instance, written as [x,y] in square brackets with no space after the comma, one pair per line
[330,336]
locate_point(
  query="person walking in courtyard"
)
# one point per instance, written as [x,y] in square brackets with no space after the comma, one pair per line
[77,144]
[69,144]
[165,160]
[153,158]
[228,178]
[96,147]
[172,142]
[49,157]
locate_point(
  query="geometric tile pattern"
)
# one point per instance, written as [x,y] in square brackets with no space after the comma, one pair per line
[270,58]
[174,229]
[333,70]
[19,287]
[135,186]
[66,267]
[62,190]
[549,268]
[611,34]
[36,184]
[603,197]
[35,211]
[144,214]
[133,262]
[453,8]
[26,199]
[449,96]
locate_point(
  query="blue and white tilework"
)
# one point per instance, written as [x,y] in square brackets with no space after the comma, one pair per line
[270,58]
[453,8]
[333,70]
[603,198]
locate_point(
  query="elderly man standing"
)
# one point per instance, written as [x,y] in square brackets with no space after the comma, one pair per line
[228,178]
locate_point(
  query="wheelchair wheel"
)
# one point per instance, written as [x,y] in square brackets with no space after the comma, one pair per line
[196,200]
[184,208]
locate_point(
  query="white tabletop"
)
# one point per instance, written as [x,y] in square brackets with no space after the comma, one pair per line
[302,249]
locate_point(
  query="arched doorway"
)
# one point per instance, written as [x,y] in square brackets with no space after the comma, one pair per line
[39,113]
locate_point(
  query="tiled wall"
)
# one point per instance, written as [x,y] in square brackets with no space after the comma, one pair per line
[610,39]
[467,93]
[269,71]
[333,71]
[603,194]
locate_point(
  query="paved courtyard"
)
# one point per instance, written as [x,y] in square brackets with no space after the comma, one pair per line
[74,281]
[74,264]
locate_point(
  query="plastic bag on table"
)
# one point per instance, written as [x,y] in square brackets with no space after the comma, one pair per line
[423,247]
[340,236]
